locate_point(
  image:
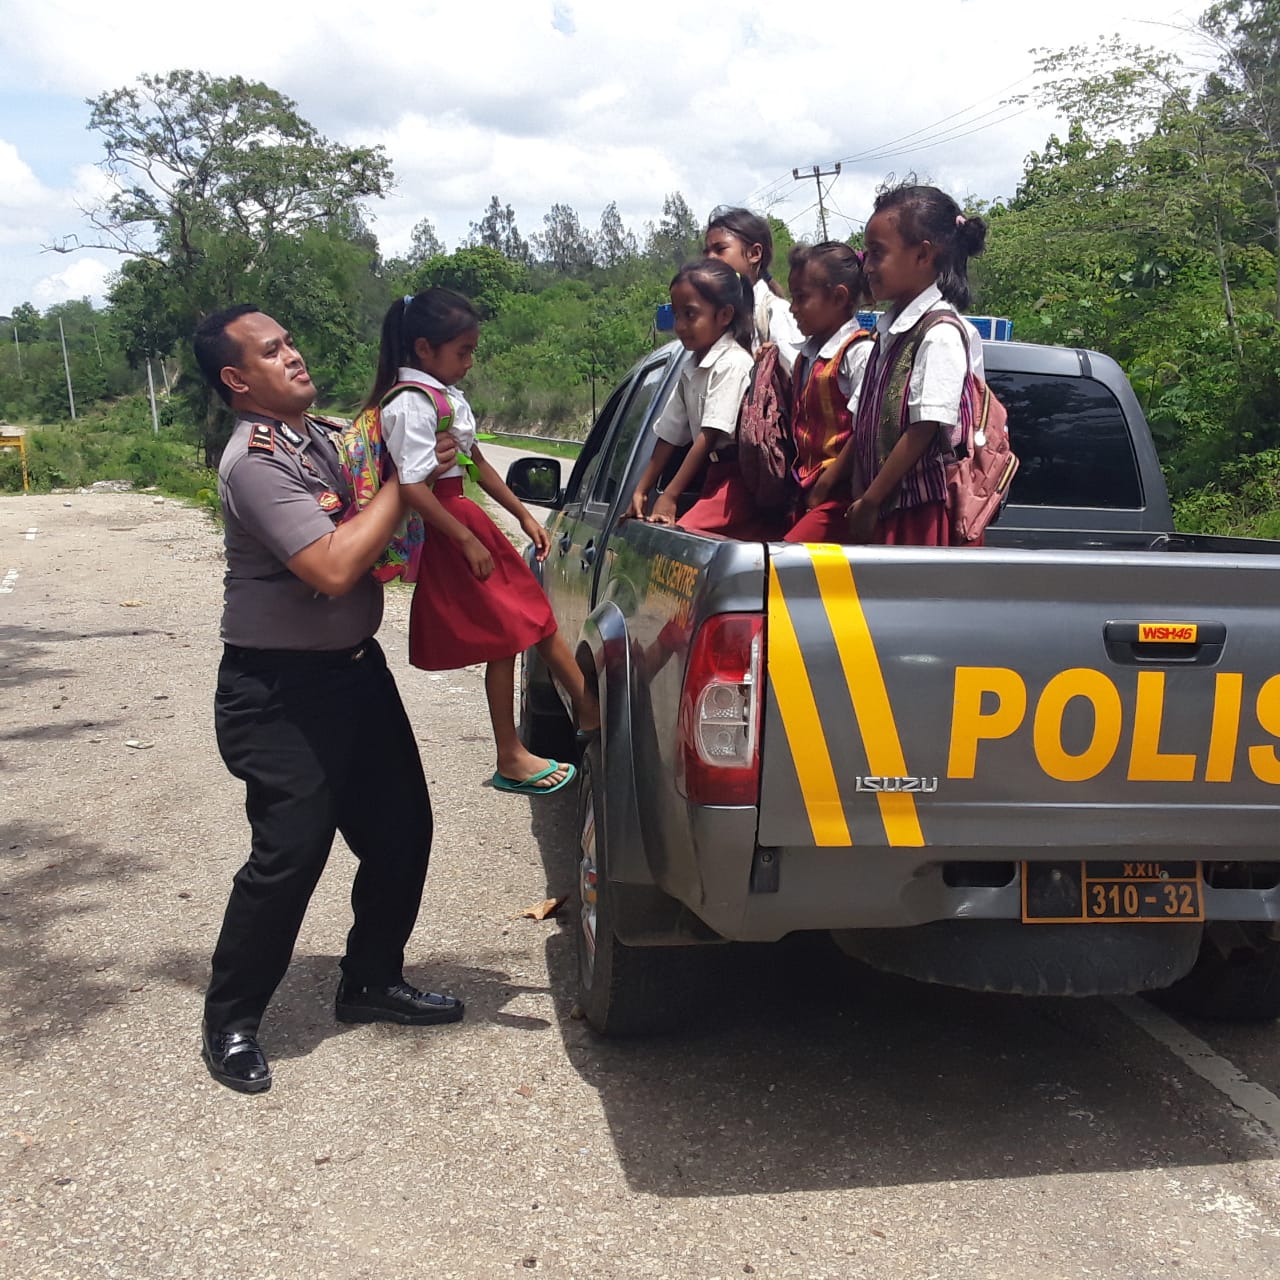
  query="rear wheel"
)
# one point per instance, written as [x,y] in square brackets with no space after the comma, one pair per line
[1236,977]
[622,990]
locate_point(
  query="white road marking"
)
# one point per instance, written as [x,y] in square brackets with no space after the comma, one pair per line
[8,582]
[30,534]
[1225,1076]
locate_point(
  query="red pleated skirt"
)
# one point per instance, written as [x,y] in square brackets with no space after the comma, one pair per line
[726,507]
[827,522]
[457,620]
[922,526]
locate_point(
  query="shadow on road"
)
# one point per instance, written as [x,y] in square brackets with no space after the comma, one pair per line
[807,1071]
[300,1016]
[52,985]
[23,656]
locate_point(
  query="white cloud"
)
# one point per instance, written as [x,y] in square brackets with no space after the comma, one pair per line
[546,101]
[83,277]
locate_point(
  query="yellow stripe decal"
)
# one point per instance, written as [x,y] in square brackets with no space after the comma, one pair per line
[867,691]
[794,694]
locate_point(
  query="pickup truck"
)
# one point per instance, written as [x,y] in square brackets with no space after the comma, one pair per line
[1048,766]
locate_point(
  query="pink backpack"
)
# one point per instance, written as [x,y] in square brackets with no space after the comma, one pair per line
[978,478]
[984,464]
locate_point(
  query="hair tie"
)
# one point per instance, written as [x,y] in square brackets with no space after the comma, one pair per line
[408,298]
[960,219]
[860,257]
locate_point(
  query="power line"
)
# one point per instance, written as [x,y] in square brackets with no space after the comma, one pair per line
[951,120]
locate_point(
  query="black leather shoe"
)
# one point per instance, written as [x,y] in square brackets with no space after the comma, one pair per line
[397,1003]
[234,1059]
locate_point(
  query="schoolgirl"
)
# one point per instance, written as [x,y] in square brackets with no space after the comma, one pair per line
[827,287]
[475,599]
[918,246]
[712,305]
[743,240]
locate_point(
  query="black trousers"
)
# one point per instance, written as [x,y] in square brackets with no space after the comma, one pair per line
[322,744]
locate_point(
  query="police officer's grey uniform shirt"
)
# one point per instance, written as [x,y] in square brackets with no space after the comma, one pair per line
[281,491]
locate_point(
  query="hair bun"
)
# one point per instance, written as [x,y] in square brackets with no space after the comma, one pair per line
[971,235]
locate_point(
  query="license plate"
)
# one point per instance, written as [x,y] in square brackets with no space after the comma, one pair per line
[1110,892]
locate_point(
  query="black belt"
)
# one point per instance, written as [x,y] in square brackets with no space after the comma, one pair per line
[299,657]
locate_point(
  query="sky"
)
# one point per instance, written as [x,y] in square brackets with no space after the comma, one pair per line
[540,102]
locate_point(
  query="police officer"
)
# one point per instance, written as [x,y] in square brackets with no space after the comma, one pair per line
[307,714]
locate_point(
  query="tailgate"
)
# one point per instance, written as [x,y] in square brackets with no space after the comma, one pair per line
[1022,701]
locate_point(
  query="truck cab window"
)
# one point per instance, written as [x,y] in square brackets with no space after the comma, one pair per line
[593,452]
[610,477]
[1072,440]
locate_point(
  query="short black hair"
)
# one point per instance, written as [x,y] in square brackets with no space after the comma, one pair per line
[215,348]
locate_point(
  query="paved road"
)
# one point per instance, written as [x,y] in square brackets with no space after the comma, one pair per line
[819,1122]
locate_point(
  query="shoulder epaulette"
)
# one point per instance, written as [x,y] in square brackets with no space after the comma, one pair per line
[263,436]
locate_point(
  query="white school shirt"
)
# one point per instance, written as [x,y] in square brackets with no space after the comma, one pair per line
[773,322]
[937,378]
[852,367]
[708,394]
[409,428]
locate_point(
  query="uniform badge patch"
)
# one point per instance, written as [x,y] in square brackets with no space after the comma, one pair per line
[329,502]
[263,437]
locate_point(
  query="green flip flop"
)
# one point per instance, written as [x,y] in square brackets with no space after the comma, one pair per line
[529,787]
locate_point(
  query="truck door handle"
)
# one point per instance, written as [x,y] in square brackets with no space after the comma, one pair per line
[566,541]
[588,556]
[1165,644]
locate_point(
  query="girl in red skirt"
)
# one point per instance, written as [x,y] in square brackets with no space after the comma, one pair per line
[827,287]
[713,314]
[908,409]
[476,599]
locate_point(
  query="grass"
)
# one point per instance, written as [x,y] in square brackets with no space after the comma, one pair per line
[548,446]
[113,443]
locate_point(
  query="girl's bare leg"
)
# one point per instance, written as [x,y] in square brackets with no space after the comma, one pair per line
[514,761]
[586,707]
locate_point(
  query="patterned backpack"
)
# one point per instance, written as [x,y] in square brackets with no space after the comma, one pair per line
[364,463]
[766,451]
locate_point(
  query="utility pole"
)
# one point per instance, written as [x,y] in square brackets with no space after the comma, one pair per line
[818,175]
[18,347]
[151,395]
[66,365]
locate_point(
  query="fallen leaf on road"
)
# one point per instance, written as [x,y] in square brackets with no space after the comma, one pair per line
[323,1159]
[541,910]
[138,745]
[131,604]
[524,1091]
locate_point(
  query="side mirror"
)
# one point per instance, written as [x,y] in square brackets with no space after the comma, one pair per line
[536,480]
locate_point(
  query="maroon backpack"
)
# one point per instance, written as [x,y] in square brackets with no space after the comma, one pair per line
[766,450]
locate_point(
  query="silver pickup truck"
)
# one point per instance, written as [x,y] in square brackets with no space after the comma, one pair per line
[1048,766]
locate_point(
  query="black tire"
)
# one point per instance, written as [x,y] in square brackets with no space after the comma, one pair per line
[622,991]
[1236,977]
[544,727]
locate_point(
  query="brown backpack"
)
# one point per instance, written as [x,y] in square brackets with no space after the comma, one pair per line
[766,450]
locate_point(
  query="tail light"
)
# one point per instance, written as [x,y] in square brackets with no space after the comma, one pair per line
[720,712]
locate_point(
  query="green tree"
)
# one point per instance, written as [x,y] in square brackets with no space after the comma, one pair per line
[497,230]
[223,192]
[677,236]
[563,244]
[480,272]
[615,242]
